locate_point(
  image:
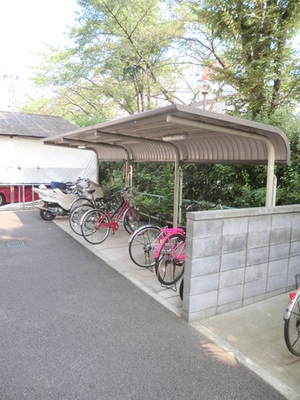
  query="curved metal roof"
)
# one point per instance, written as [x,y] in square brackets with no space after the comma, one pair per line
[195,135]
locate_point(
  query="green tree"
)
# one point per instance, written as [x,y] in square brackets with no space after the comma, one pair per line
[120,62]
[246,47]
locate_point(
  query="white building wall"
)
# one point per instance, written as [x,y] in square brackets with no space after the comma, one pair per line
[28,160]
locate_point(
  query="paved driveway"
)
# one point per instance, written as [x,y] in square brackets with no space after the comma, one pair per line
[73,328]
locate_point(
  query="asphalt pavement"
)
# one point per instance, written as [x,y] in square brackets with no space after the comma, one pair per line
[82,322]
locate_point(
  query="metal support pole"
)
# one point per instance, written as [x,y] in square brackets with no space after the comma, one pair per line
[23,193]
[12,194]
[180,195]
[127,168]
[130,179]
[176,186]
[274,191]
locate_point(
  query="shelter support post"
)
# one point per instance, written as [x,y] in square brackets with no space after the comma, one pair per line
[127,169]
[97,165]
[270,189]
[176,187]
[180,194]
[130,178]
[274,190]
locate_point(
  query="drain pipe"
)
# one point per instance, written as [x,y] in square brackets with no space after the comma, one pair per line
[271,189]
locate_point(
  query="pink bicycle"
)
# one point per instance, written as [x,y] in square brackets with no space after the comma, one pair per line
[163,248]
[170,257]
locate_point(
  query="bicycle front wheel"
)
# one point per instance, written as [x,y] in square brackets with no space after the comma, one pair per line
[76,216]
[95,226]
[79,202]
[292,330]
[169,264]
[136,217]
[143,245]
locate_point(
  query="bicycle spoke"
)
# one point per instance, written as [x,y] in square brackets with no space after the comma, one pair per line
[136,217]
[95,226]
[292,330]
[143,245]
[76,216]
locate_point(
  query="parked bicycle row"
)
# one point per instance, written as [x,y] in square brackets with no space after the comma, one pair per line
[93,219]
[92,216]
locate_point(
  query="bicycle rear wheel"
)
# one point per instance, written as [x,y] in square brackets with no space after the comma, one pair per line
[169,264]
[76,216]
[181,289]
[136,217]
[143,245]
[292,330]
[95,226]
[79,202]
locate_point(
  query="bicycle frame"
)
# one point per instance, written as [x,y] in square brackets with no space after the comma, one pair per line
[165,233]
[114,219]
[170,257]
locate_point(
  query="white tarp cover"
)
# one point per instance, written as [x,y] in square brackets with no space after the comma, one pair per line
[27,160]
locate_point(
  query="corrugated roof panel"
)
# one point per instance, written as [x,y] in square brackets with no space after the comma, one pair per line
[208,137]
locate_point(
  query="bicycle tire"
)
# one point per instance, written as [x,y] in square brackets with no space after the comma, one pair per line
[76,215]
[143,245]
[79,202]
[169,267]
[136,217]
[181,289]
[292,330]
[95,226]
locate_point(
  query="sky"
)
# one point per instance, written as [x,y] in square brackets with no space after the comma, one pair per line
[26,26]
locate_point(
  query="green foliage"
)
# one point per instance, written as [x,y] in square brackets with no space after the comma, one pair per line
[288,191]
[248,47]
[120,61]
[237,186]
[156,179]
[111,176]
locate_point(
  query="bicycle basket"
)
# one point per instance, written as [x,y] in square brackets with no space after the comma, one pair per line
[126,194]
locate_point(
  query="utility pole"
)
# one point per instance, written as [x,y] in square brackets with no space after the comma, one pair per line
[10,81]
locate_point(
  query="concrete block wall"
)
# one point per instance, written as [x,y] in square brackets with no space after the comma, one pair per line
[238,257]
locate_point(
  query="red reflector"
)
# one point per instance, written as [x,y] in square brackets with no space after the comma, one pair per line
[292,295]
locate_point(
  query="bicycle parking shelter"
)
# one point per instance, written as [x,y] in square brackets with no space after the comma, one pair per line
[180,133]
